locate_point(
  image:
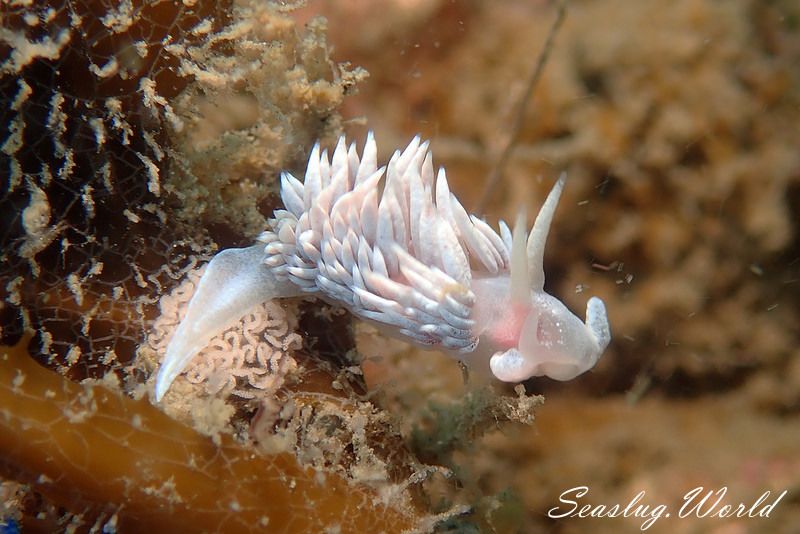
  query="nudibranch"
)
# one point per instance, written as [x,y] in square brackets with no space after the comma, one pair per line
[409,259]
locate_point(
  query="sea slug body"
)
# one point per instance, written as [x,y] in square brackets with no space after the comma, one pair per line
[409,259]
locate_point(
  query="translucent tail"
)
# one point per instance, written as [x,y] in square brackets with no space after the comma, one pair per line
[234,281]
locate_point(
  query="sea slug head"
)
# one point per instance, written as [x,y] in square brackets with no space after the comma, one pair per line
[526,332]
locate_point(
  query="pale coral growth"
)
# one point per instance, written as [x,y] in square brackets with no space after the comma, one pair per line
[331,434]
[250,359]
[25,50]
[252,110]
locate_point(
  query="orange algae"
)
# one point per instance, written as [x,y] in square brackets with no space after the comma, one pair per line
[96,452]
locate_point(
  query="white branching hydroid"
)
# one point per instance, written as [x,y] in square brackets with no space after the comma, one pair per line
[410,259]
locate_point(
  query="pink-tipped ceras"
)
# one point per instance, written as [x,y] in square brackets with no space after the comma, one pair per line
[409,259]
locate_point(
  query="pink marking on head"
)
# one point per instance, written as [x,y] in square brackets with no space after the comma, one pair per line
[506,331]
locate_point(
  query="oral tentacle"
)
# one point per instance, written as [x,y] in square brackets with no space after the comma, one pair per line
[597,323]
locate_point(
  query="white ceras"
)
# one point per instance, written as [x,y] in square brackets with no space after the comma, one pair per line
[409,259]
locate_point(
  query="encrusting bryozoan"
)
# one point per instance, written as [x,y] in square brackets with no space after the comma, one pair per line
[409,259]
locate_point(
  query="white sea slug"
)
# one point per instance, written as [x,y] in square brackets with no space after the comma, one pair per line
[409,259]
